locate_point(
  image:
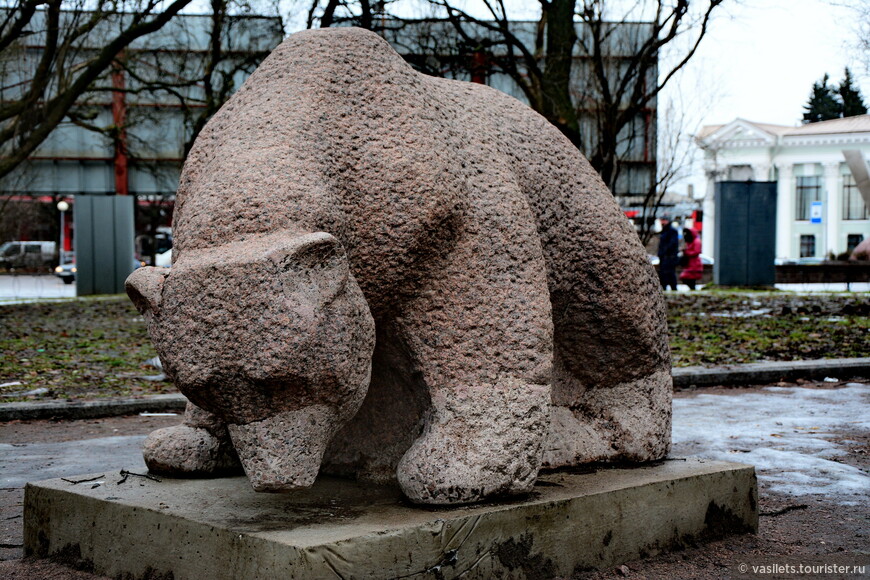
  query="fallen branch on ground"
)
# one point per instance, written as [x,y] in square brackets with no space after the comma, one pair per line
[77,481]
[785,510]
[125,474]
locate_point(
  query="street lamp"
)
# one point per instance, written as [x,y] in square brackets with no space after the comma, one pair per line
[62,207]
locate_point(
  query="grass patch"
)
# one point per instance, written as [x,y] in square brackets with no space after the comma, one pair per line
[92,348]
[77,349]
[716,328]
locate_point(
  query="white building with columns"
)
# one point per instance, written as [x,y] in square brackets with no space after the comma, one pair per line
[820,210]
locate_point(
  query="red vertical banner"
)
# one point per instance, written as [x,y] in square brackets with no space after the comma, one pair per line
[119,119]
[479,67]
[67,234]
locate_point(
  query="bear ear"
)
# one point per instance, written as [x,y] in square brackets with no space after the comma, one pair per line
[316,261]
[145,288]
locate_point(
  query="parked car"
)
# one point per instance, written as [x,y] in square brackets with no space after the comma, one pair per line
[163,259]
[67,272]
[18,254]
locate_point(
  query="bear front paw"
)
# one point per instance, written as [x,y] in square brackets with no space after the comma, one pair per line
[189,452]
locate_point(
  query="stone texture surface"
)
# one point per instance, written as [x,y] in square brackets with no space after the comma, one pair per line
[492,437]
[340,196]
[861,251]
[284,451]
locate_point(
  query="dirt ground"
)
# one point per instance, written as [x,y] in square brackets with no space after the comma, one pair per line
[794,531]
[12,499]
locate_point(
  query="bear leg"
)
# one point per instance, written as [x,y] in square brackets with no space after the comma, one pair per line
[478,443]
[480,339]
[198,447]
[629,421]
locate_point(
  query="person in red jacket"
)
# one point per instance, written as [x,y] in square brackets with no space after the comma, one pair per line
[694,269]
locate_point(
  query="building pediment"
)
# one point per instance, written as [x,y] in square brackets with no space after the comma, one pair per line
[738,133]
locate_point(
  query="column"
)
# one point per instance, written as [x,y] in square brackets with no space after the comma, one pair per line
[785,208]
[831,219]
[708,236]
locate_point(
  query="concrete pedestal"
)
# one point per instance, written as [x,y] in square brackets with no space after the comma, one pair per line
[220,528]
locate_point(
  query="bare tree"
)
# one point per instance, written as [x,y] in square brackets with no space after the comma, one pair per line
[211,55]
[682,109]
[620,75]
[623,89]
[148,103]
[38,93]
[674,163]
[593,68]
[14,214]
[860,21]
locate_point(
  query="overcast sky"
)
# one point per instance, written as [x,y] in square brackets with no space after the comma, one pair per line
[761,59]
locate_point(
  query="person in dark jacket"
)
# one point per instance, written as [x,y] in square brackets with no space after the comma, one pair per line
[694,269]
[669,246]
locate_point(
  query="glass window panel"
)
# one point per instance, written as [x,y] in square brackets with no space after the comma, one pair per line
[809,189]
[854,207]
[808,246]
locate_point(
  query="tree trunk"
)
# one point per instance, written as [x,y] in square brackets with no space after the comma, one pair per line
[556,101]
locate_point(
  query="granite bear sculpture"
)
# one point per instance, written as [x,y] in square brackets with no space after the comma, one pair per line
[390,276]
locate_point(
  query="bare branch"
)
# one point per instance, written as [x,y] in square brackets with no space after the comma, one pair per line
[11,30]
[30,132]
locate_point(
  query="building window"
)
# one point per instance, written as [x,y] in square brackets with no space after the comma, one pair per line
[809,189]
[852,241]
[808,246]
[854,207]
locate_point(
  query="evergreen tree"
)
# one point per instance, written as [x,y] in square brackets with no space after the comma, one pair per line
[850,97]
[823,104]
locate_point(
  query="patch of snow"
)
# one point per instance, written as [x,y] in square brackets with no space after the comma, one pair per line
[742,314]
[856,287]
[786,432]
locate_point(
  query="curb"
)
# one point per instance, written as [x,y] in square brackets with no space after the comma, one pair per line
[684,377]
[91,409]
[770,372]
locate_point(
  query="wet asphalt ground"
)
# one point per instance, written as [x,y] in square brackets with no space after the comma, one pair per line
[816,499]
